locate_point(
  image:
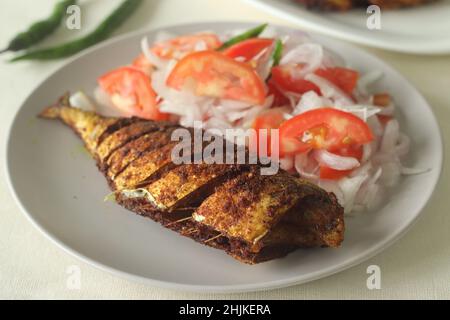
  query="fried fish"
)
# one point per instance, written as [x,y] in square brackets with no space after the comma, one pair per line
[232,207]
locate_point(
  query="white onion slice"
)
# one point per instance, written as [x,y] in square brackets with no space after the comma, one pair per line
[153,59]
[364,112]
[376,126]
[332,59]
[303,166]
[367,152]
[387,111]
[367,80]
[329,90]
[413,171]
[80,100]
[362,170]
[104,105]
[335,161]
[332,186]
[264,62]
[402,148]
[350,187]
[234,104]
[310,101]
[391,172]
[390,137]
[309,54]
[200,46]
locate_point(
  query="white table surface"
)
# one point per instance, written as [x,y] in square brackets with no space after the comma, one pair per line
[417,266]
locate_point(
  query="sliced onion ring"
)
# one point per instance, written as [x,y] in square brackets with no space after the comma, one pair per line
[335,161]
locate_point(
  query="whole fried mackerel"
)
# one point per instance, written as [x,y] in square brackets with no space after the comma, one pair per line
[232,207]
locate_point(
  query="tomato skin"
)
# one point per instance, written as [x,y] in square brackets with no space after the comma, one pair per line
[270,119]
[179,46]
[131,91]
[210,73]
[248,49]
[333,174]
[326,128]
[345,79]
[282,77]
[279,99]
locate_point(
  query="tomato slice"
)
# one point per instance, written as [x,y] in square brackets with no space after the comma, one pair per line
[355,151]
[177,47]
[345,79]
[279,99]
[248,49]
[210,73]
[270,119]
[131,92]
[325,128]
[142,63]
[284,78]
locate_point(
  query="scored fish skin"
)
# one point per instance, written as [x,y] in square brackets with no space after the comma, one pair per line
[179,187]
[254,218]
[258,203]
[120,137]
[146,168]
[123,156]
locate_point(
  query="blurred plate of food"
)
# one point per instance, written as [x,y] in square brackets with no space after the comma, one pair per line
[411,26]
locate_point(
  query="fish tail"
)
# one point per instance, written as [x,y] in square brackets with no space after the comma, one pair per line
[54,111]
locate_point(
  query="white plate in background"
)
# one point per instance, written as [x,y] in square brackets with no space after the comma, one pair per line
[422,30]
[61,191]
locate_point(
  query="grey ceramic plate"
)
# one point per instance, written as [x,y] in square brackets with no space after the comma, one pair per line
[60,190]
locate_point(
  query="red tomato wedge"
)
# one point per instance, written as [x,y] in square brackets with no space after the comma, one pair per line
[283,76]
[325,128]
[333,174]
[248,49]
[279,99]
[270,119]
[345,79]
[131,92]
[284,79]
[177,47]
[142,63]
[210,73]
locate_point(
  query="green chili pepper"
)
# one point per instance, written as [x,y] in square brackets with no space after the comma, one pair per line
[277,52]
[40,30]
[252,33]
[103,31]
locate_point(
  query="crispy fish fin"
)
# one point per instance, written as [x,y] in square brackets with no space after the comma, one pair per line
[54,111]
[87,124]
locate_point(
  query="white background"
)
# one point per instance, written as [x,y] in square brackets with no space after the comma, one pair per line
[417,266]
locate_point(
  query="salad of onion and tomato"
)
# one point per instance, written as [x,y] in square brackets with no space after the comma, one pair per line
[332,129]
